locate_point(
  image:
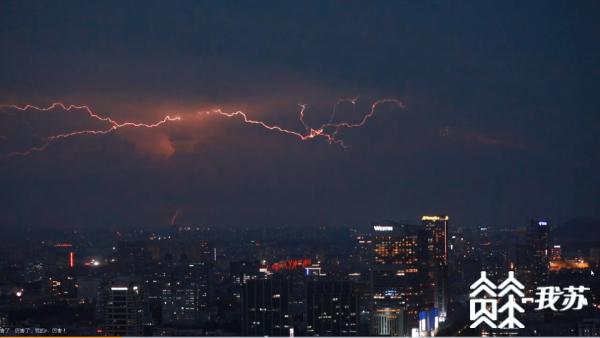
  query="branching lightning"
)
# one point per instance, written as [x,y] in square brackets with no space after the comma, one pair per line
[114,125]
[329,130]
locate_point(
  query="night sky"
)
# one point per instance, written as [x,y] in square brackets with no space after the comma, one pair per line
[501,120]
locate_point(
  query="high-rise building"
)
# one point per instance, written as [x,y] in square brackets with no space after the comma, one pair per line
[240,272]
[61,286]
[533,256]
[484,243]
[332,308]
[185,295]
[60,282]
[437,242]
[398,273]
[555,253]
[437,245]
[266,307]
[389,322]
[121,310]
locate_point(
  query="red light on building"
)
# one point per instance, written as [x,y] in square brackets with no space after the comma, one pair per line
[291,264]
[63,245]
[71,259]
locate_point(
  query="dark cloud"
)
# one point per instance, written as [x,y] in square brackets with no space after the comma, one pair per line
[500,122]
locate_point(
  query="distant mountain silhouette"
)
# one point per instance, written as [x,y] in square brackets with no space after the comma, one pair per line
[578,233]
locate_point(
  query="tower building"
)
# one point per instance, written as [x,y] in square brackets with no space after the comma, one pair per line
[120,310]
[332,308]
[533,256]
[398,273]
[437,246]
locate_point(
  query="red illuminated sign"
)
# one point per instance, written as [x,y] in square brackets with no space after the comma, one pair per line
[291,264]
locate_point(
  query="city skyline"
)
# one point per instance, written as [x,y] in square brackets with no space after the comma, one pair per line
[390,279]
[288,169]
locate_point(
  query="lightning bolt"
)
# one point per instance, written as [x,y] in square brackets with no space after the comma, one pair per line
[339,102]
[114,125]
[174,217]
[328,131]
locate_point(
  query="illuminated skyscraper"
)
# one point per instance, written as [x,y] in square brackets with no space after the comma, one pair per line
[437,242]
[389,322]
[185,295]
[556,253]
[120,310]
[533,256]
[397,276]
[437,246]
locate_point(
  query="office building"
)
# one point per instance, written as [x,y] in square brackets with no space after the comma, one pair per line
[437,246]
[266,307]
[185,295]
[332,308]
[556,253]
[533,256]
[121,310]
[398,272]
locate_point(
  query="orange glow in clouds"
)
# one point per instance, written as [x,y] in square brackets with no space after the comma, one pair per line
[162,146]
[114,125]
